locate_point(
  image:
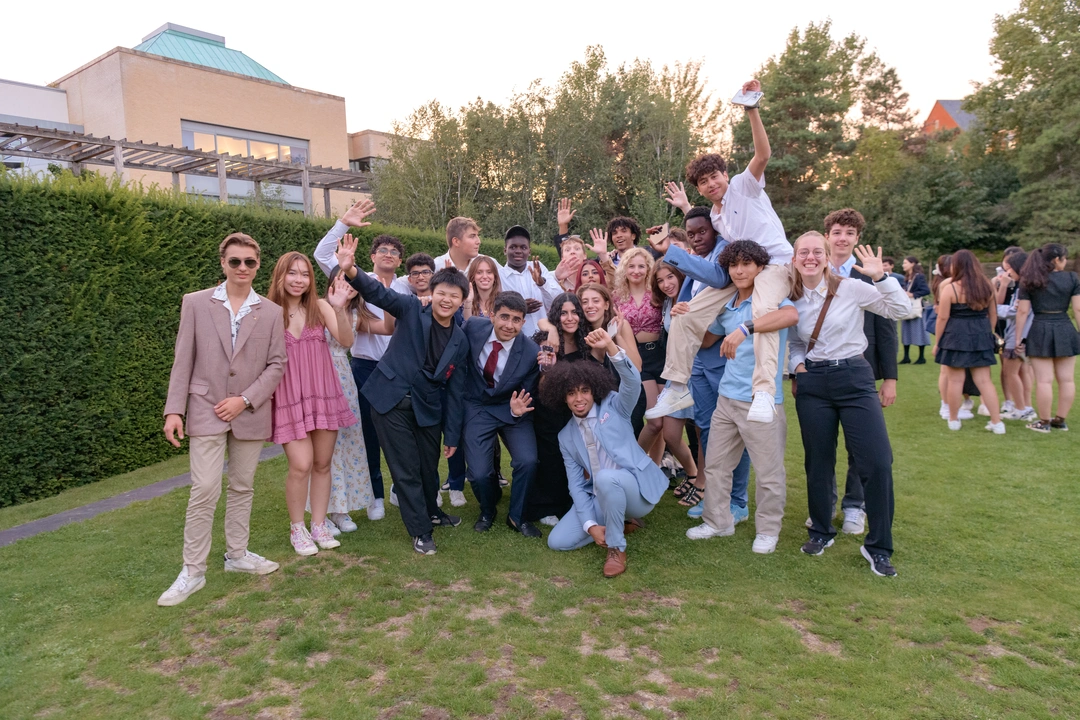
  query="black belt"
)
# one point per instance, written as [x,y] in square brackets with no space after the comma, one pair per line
[651,345]
[832,363]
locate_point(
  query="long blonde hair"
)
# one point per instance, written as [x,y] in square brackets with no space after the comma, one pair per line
[832,280]
[496,286]
[621,286]
[309,300]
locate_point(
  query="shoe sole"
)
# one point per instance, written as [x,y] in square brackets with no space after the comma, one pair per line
[307,553]
[820,552]
[852,529]
[253,571]
[328,546]
[862,549]
[423,552]
[652,414]
[714,535]
[177,601]
[763,552]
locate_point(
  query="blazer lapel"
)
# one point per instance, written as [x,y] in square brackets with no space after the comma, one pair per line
[450,350]
[247,325]
[220,314]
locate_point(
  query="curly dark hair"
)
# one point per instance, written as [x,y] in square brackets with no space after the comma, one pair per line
[630,224]
[703,166]
[740,251]
[567,376]
[583,325]
[698,211]
[847,217]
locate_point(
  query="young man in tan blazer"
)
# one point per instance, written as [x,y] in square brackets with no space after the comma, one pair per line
[229,358]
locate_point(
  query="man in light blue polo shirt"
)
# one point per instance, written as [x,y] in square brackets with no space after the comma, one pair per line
[729,432]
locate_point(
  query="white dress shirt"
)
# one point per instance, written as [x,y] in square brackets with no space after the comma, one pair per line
[522,282]
[592,419]
[504,354]
[842,335]
[235,317]
[747,214]
[368,346]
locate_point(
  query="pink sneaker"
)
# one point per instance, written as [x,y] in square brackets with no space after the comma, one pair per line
[301,540]
[324,537]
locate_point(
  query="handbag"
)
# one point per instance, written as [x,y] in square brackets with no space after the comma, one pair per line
[915,311]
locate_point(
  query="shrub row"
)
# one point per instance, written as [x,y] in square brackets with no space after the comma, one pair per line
[90,287]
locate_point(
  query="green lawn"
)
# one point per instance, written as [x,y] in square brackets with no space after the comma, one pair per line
[983,620]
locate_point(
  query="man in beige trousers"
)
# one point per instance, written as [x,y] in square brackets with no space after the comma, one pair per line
[229,359]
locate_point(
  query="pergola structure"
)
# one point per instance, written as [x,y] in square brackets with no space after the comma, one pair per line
[79,150]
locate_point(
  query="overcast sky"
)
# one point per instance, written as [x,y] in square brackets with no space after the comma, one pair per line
[388,58]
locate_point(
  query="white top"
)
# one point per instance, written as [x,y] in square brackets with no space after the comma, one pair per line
[522,282]
[503,354]
[440,262]
[365,345]
[606,463]
[234,318]
[842,335]
[747,214]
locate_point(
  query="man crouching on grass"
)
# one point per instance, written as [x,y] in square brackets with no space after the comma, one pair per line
[612,481]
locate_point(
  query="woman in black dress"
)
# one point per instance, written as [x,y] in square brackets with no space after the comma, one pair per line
[1052,342]
[913,332]
[965,336]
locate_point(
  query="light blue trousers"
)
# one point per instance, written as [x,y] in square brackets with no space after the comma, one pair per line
[618,497]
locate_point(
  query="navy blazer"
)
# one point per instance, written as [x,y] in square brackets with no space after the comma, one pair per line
[521,373]
[881,342]
[401,369]
[616,437]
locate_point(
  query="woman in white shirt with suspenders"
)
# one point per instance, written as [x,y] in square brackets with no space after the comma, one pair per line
[834,386]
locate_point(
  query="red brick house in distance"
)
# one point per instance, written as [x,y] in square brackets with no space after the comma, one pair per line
[946,115]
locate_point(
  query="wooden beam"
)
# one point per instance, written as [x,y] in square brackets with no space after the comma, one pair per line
[305,183]
[223,183]
[92,152]
[176,182]
[118,160]
[326,200]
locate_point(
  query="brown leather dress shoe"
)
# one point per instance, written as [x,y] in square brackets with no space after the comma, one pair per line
[632,525]
[615,564]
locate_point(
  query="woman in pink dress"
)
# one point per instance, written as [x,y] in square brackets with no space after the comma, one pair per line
[309,405]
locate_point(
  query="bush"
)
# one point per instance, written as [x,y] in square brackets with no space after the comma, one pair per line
[90,289]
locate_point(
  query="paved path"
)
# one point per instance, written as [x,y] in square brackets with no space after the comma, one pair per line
[52,522]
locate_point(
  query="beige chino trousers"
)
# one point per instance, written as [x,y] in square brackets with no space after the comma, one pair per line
[207,464]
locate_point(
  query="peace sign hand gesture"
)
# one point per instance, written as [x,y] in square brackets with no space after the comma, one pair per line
[520,403]
[354,216]
[871,263]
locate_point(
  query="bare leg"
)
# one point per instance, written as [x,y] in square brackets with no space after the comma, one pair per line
[1027,383]
[985,383]
[1063,369]
[653,427]
[954,393]
[1010,381]
[1044,386]
[656,452]
[298,452]
[943,384]
[322,443]
[673,436]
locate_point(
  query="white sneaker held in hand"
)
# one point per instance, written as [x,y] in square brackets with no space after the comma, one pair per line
[763,409]
[672,398]
[182,588]
[250,563]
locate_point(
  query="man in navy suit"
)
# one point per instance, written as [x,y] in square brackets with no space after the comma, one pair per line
[623,483]
[502,374]
[427,354]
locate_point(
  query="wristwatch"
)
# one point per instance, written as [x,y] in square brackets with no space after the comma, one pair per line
[246,402]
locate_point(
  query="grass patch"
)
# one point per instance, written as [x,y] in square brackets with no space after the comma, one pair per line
[981,622]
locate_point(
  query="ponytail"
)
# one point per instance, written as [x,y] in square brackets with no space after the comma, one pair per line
[1040,263]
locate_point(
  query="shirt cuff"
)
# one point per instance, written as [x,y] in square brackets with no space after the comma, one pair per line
[621,355]
[589,524]
[339,230]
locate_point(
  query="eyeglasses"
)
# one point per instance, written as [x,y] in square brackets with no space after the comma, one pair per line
[420,273]
[250,262]
[392,252]
[803,254]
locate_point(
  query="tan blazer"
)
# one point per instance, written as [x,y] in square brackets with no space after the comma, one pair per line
[206,369]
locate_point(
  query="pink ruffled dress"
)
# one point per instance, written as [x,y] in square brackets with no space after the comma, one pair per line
[310,395]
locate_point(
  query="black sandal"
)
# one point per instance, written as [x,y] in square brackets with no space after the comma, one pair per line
[682,488]
[692,497]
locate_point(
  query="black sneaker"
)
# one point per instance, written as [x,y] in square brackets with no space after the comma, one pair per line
[443,520]
[816,546]
[1040,426]
[880,564]
[1058,423]
[424,544]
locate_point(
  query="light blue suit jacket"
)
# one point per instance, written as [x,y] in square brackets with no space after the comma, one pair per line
[616,437]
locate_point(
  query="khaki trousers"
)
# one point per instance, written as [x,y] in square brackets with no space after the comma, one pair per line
[771,286]
[729,433]
[207,464]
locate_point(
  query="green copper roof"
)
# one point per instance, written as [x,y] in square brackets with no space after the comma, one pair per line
[177,45]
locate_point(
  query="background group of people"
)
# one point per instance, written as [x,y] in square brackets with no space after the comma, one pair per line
[589,372]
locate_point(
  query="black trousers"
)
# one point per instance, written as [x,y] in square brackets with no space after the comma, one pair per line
[828,397]
[480,440]
[412,454]
[361,370]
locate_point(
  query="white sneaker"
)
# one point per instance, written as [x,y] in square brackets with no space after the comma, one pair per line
[333,528]
[944,412]
[763,409]
[457,498]
[704,531]
[965,414]
[968,405]
[1029,414]
[765,544]
[983,410]
[445,485]
[854,521]
[1008,406]
[182,588]
[323,537]
[376,510]
[342,521]
[1013,414]
[671,399]
[393,497]
[996,428]
[954,424]
[438,499]
[301,540]
[251,563]
[551,520]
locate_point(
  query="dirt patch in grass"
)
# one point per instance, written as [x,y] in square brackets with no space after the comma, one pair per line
[565,705]
[317,658]
[561,582]
[648,596]
[571,611]
[95,683]
[398,627]
[463,585]
[425,585]
[812,642]
[494,613]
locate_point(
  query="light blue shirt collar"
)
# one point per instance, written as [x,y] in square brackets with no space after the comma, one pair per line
[845,269]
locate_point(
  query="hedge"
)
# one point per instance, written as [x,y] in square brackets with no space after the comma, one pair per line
[90,288]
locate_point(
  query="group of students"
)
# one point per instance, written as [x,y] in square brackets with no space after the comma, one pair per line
[585,373]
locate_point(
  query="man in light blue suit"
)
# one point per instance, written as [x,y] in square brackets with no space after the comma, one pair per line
[612,481]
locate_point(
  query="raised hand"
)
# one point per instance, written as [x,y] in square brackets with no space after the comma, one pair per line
[599,339]
[545,359]
[346,253]
[568,268]
[658,238]
[354,216]
[338,295]
[599,241]
[564,215]
[751,86]
[675,195]
[537,271]
[871,263]
[520,403]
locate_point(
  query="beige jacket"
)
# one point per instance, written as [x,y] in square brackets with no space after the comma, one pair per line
[206,369]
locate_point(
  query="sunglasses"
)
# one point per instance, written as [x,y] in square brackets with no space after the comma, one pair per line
[251,263]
